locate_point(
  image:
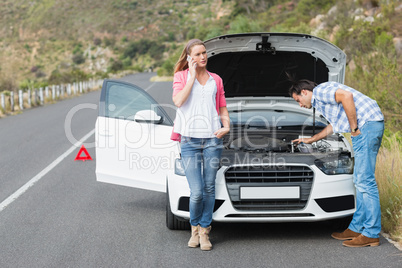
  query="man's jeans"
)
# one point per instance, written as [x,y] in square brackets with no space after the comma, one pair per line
[367,218]
[201,157]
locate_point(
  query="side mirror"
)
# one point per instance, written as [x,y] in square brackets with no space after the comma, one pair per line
[148,116]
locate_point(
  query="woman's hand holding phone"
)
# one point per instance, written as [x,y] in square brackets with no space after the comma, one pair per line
[191,65]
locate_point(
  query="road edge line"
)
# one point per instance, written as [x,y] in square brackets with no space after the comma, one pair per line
[42,173]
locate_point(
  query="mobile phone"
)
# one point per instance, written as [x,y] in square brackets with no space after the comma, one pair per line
[189,58]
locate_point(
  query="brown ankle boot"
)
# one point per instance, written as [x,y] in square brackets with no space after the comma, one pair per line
[362,241]
[195,237]
[204,238]
[345,235]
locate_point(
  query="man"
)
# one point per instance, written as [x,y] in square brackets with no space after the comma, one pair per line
[348,110]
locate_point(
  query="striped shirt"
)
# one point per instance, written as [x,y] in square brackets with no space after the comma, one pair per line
[323,100]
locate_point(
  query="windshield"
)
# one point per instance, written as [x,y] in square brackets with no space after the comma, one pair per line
[273,119]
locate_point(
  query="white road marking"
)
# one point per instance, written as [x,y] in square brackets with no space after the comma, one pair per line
[151,85]
[40,175]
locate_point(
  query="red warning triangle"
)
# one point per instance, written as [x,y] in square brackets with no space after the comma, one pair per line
[83,158]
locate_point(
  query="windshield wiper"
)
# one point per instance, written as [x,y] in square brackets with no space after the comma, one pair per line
[257,126]
[237,125]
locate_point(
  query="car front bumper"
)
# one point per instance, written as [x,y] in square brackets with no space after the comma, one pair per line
[331,197]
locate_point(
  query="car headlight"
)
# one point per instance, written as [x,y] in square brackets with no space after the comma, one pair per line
[343,164]
[178,167]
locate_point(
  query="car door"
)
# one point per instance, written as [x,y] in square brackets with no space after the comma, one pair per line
[132,135]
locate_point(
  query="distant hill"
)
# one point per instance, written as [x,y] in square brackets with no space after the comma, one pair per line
[43,40]
[85,19]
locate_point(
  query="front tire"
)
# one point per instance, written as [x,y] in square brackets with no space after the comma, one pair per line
[172,222]
[341,223]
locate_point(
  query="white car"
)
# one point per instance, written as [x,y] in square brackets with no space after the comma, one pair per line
[262,176]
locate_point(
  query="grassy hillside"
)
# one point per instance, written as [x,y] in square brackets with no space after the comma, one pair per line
[56,41]
[83,19]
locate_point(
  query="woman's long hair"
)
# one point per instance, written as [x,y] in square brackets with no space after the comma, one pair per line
[182,63]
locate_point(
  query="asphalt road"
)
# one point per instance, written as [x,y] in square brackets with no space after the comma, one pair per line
[67,219]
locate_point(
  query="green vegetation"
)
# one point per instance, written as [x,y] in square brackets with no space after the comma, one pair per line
[56,41]
[389,180]
[144,46]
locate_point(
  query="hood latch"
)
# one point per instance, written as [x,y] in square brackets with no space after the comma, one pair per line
[265,46]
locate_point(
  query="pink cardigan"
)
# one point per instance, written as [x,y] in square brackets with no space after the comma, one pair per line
[180,80]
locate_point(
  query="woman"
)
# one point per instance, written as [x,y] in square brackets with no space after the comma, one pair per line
[201,112]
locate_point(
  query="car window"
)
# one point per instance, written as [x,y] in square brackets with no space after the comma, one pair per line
[273,118]
[124,101]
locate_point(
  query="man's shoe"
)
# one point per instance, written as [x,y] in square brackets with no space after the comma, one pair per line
[345,235]
[362,241]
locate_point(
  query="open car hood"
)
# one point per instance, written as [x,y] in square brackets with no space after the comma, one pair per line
[258,64]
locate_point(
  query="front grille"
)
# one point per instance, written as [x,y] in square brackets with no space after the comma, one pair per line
[270,215]
[269,176]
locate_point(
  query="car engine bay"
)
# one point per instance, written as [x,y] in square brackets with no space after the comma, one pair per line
[267,147]
[267,141]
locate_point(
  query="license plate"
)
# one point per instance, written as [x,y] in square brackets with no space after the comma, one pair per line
[270,192]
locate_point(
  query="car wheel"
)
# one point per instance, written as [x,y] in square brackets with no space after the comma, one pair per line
[341,223]
[172,222]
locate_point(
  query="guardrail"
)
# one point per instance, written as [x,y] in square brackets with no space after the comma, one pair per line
[11,102]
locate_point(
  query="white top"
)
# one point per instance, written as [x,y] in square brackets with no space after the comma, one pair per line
[197,117]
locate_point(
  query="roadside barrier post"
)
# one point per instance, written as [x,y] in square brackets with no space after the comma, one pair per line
[12,100]
[29,98]
[36,96]
[41,95]
[3,101]
[20,99]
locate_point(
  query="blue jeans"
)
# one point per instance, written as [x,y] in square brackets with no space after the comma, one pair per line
[201,159]
[367,218]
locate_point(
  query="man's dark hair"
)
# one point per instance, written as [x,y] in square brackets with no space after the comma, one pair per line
[298,86]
